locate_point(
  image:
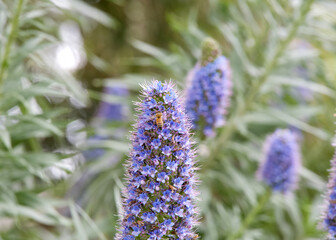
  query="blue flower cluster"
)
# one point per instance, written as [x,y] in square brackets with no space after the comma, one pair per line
[281,163]
[113,111]
[161,182]
[209,91]
[329,218]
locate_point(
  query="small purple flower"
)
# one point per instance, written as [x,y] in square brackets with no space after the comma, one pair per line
[178,182]
[150,104]
[166,150]
[281,163]
[143,198]
[156,143]
[162,177]
[185,171]
[166,134]
[132,193]
[150,187]
[136,231]
[179,154]
[130,220]
[178,211]
[209,89]
[188,189]
[160,171]
[143,155]
[166,195]
[175,196]
[149,126]
[135,210]
[139,181]
[129,237]
[164,207]
[136,166]
[156,205]
[148,171]
[168,99]
[172,165]
[149,217]
[182,232]
[168,224]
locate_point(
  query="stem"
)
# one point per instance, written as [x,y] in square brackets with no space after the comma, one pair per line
[251,215]
[11,37]
[230,127]
[32,142]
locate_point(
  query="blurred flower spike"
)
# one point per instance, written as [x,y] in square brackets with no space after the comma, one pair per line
[94,152]
[160,193]
[113,111]
[282,160]
[209,89]
[329,218]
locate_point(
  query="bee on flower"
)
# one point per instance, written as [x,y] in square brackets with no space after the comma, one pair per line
[160,193]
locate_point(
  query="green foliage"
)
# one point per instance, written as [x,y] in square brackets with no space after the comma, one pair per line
[279,51]
[32,123]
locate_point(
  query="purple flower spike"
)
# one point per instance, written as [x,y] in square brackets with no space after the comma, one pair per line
[113,111]
[209,90]
[160,193]
[329,216]
[282,161]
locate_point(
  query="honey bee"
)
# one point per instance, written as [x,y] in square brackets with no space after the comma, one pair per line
[172,188]
[332,201]
[158,119]
[195,236]
[140,223]
[128,216]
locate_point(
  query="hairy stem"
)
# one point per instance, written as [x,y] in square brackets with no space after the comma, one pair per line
[10,40]
[251,215]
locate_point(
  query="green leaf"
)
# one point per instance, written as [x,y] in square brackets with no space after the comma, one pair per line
[5,138]
[275,81]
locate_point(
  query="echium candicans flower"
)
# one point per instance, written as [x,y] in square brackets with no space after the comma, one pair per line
[107,112]
[280,166]
[209,89]
[113,111]
[160,193]
[329,216]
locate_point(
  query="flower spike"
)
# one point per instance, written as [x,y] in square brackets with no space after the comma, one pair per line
[209,89]
[160,194]
[282,161]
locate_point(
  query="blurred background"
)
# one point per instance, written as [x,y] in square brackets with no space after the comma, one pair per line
[70,71]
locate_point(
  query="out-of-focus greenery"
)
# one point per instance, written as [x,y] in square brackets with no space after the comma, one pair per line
[283,57]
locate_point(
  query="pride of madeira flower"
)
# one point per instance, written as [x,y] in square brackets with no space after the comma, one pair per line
[281,163]
[329,217]
[209,89]
[160,192]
